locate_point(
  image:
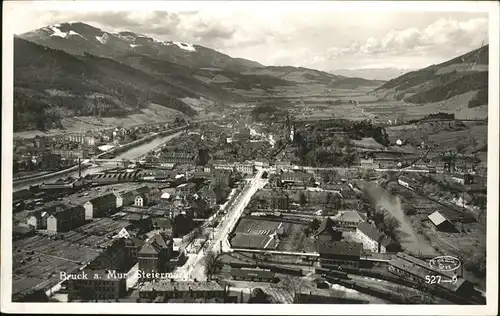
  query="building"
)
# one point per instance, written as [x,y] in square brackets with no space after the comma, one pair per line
[128,198]
[100,206]
[257,275]
[220,179]
[279,200]
[102,285]
[209,196]
[156,253]
[284,165]
[220,165]
[140,201]
[22,230]
[164,289]
[186,188]
[458,179]
[407,182]
[65,219]
[326,232]
[245,168]
[113,257]
[82,139]
[38,218]
[262,163]
[418,270]
[132,247]
[368,164]
[70,151]
[333,254]
[180,158]
[463,179]
[348,219]
[372,239]
[50,161]
[441,223]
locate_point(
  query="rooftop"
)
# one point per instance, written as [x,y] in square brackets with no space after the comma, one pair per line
[436,218]
[103,226]
[237,272]
[339,248]
[182,286]
[348,216]
[370,231]
[39,259]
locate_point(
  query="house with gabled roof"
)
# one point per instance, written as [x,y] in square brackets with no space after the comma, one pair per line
[100,206]
[156,253]
[65,219]
[441,223]
[348,219]
[372,239]
[326,232]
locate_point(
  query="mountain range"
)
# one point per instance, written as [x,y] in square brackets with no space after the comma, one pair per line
[72,70]
[457,85]
[372,73]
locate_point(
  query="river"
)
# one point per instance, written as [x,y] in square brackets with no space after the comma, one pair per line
[130,154]
[409,238]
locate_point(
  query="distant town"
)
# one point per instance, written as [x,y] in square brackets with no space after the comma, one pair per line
[242,210]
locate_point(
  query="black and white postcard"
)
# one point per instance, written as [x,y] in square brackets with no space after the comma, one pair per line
[248,154]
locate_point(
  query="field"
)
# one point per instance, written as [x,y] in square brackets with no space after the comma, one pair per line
[255,233]
[152,114]
[444,134]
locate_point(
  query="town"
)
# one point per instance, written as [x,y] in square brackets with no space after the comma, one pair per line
[249,208]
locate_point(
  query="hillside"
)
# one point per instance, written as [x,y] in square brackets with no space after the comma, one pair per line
[51,84]
[372,73]
[78,38]
[465,75]
[352,83]
[69,72]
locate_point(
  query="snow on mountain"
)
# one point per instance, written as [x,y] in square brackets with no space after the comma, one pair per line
[111,44]
[73,33]
[186,46]
[103,39]
[57,32]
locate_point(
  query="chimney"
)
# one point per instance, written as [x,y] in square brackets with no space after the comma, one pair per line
[79,168]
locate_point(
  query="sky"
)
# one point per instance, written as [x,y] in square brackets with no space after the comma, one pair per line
[313,38]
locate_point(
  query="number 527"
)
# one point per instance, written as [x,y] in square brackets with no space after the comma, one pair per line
[432,279]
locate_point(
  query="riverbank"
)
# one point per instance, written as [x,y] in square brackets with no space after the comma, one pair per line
[409,239]
[129,151]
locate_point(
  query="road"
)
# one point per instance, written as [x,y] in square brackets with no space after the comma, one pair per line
[131,154]
[376,169]
[196,270]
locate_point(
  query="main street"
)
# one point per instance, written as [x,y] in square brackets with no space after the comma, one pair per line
[196,270]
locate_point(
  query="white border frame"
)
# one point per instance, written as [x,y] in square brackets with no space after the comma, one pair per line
[11,7]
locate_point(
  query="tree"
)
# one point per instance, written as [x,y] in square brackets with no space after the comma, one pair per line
[314,225]
[212,264]
[477,265]
[302,199]
[326,178]
[390,224]
[289,285]
[194,234]
[259,297]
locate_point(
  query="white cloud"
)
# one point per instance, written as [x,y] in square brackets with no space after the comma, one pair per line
[442,36]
